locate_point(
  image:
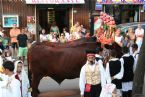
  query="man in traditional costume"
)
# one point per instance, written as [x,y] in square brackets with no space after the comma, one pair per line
[3,80]
[91,76]
[127,80]
[108,89]
[98,55]
[20,71]
[114,72]
[12,85]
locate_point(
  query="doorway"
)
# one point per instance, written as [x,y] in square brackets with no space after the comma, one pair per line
[50,15]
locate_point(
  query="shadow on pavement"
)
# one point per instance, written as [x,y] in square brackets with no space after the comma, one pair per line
[62,93]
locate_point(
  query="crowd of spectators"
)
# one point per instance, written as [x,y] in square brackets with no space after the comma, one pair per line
[76,32]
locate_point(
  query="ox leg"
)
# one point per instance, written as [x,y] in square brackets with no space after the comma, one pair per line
[35,82]
[30,77]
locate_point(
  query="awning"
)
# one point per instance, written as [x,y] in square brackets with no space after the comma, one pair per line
[55,1]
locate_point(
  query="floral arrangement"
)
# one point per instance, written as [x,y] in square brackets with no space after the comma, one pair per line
[107,19]
[108,28]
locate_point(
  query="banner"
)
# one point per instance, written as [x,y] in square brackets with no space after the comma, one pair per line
[55,1]
[120,2]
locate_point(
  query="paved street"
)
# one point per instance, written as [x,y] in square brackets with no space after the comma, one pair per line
[48,84]
[68,88]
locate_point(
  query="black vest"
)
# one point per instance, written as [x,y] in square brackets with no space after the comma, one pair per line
[128,68]
[115,67]
[98,58]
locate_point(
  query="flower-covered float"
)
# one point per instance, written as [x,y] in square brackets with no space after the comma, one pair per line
[105,28]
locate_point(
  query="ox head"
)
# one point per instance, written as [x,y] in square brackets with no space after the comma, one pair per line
[116,47]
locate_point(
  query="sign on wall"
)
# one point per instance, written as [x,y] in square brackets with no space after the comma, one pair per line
[9,20]
[55,1]
[120,1]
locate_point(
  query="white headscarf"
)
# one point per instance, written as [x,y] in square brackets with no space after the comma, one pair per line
[24,79]
[10,59]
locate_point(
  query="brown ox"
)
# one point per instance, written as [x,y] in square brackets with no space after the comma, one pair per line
[58,62]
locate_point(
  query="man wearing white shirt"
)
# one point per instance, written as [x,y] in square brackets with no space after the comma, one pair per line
[139,32]
[91,77]
[114,72]
[127,80]
[13,85]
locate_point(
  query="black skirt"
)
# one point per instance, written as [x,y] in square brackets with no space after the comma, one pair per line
[95,91]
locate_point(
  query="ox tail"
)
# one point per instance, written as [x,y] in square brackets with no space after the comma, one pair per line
[29,68]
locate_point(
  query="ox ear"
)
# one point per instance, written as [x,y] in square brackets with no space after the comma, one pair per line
[107,46]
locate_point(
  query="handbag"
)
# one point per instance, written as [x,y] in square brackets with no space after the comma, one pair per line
[87,87]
